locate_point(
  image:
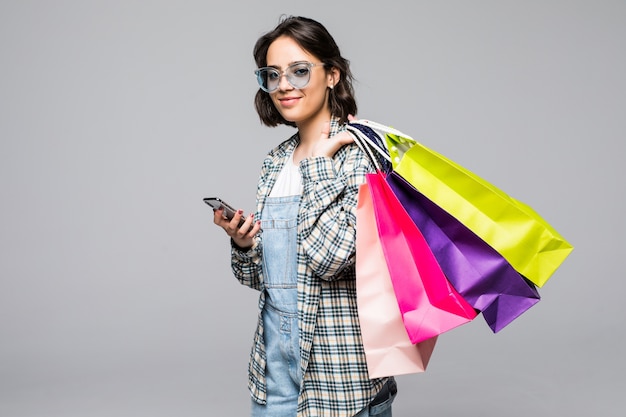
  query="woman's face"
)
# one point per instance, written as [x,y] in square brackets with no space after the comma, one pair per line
[307,104]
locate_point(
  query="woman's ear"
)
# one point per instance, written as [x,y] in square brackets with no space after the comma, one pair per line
[334,75]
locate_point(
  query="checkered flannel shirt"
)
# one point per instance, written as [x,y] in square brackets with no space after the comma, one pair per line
[336,382]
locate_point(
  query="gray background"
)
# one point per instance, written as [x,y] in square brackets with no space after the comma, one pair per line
[117,117]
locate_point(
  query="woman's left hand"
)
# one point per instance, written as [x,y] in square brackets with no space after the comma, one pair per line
[329,146]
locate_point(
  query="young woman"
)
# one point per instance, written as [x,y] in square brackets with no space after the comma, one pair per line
[298,248]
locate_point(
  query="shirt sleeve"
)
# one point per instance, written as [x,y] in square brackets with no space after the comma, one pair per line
[246,264]
[327,226]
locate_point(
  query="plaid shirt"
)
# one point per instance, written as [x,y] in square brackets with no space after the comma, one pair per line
[336,382]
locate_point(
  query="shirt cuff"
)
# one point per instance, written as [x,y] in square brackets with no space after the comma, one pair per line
[244,253]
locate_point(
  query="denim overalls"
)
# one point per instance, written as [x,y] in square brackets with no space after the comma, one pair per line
[280,314]
[279,222]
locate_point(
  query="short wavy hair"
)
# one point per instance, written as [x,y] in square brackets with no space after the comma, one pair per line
[313,37]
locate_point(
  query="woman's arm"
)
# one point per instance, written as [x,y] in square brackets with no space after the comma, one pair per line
[247,263]
[327,226]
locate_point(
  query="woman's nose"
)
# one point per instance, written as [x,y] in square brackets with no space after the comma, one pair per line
[283,83]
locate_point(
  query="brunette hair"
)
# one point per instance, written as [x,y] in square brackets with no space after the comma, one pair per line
[313,37]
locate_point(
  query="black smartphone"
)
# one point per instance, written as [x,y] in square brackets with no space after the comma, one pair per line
[229,211]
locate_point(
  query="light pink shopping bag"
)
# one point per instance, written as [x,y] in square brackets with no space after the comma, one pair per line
[388,349]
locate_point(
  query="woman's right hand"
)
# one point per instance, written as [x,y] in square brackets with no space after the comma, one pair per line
[242,236]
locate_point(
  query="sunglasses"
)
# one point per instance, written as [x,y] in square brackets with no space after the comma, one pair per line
[298,76]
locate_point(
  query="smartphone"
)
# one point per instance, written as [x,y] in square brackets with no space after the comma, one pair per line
[229,211]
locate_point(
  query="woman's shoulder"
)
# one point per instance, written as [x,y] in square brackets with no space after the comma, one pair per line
[285,146]
[280,152]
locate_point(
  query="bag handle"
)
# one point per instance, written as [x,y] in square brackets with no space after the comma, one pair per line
[366,144]
[394,145]
[362,136]
[382,128]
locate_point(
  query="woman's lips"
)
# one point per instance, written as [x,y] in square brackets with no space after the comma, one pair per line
[288,101]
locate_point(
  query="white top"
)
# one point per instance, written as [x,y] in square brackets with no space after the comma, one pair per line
[289,181]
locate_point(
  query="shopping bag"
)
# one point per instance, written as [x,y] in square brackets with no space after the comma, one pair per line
[477,271]
[429,304]
[388,350]
[529,243]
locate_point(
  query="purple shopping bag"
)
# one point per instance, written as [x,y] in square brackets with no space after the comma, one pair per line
[476,270]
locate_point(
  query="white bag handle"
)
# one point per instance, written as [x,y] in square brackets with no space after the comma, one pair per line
[394,153]
[368,141]
[366,145]
[382,128]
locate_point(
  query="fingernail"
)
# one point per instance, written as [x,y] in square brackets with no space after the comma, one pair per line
[240,211]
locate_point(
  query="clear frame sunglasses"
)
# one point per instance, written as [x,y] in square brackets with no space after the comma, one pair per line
[298,76]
